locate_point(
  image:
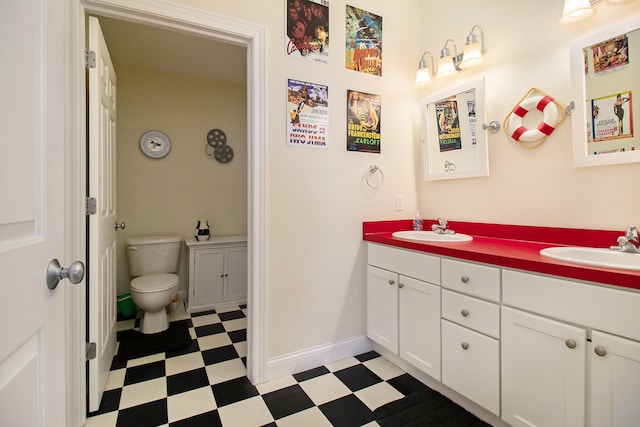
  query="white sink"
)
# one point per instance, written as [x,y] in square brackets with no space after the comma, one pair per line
[595,257]
[430,236]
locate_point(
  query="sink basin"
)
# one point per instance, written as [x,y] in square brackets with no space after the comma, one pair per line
[595,257]
[430,236]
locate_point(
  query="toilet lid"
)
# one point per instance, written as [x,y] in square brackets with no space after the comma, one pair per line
[154,283]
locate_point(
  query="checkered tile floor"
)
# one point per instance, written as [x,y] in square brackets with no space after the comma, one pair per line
[206,385]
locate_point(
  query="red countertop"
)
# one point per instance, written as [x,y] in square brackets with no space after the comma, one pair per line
[512,246]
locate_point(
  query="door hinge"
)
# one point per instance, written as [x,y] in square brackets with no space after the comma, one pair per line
[89,59]
[91,350]
[91,206]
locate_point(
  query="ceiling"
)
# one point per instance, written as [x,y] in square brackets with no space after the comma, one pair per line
[159,49]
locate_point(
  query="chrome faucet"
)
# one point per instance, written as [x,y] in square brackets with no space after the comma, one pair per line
[441,227]
[630,242]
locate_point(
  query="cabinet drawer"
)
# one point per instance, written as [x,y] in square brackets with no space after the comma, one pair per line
[473,313]
[471,279]
[471,365]
[405,262]
[599,307]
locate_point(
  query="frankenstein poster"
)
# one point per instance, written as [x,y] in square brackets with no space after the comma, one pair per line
[308,30]
[308,114]
[363,122]
[448,124]
[363,41]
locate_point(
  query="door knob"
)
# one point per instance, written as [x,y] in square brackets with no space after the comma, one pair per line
[120,226]
[55,273]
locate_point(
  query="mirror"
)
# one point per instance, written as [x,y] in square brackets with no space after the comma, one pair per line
[604,70]
[453,138]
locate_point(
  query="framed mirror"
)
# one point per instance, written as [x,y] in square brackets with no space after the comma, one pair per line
[604,70]
[454,143]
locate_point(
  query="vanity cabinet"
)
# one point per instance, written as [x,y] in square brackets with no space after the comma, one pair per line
[403,305]
[570,353]
[217,272]
[471,331]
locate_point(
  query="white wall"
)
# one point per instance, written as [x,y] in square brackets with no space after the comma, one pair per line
[169,195]
[526,47]
[316,199]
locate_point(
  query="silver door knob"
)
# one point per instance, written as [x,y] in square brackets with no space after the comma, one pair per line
[600,351]
[570,343]
[120,226]
[55,273]
[464,279]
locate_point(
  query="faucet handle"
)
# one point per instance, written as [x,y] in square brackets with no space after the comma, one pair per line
[442,222]
[632,234]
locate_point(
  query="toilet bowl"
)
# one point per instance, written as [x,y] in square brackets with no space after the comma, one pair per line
[153,262]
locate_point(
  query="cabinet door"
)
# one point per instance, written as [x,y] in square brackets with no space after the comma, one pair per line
[208,274]
[235,274]
[471,365]
[419,328]
[615,381]
[382,307]
[543,371]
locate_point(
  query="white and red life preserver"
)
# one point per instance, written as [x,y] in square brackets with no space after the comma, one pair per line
[545,104]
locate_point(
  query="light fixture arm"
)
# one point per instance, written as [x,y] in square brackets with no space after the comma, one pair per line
[445,50]
[471,38]
[422,63]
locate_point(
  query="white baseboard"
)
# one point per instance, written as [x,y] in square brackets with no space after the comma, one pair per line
[301,361]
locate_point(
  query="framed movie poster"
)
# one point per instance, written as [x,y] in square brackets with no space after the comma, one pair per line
[363,122]
[307,35]
[363,41]
[308,114]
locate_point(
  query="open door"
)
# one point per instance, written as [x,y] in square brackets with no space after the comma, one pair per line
[32,212]
[101,310]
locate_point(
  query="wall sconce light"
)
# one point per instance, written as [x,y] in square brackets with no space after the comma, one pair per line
[423,75]
[576,10]
[473,50]
[447,64]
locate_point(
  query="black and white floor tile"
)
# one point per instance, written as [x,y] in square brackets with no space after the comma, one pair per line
[206,385]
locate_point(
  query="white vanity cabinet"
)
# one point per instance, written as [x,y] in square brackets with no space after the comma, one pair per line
[217,272]
[471,331]
[560,338]
[403,305]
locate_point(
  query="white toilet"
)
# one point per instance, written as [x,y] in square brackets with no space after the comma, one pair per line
[153,261]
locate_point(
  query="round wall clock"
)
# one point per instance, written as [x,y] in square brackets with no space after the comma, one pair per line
[155,144]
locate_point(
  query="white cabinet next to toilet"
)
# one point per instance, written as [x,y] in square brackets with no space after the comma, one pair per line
[217,272]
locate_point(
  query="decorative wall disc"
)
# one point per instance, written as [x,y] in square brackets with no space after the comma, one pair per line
[216,137]
[223,153]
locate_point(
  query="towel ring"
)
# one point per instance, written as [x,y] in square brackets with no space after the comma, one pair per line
[372,172]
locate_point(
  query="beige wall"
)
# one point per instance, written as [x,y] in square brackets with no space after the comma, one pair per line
[169,195]
[526,47]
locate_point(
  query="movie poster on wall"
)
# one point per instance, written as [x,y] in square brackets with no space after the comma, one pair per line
[307,35]
[612,118]
[448,124]
[363,122]
[308,114]
[363,41]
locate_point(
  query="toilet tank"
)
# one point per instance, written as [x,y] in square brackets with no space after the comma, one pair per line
[153,254]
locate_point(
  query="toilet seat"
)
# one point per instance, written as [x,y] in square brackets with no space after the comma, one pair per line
[154,283]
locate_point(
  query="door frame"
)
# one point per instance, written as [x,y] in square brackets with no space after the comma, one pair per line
[191,21]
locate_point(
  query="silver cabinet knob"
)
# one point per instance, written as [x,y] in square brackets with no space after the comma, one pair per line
[464,345]
[570,343]
[55,273]
[600,351]
[465,313]
[120,226]
[464,279]
[392,282]
[401,285]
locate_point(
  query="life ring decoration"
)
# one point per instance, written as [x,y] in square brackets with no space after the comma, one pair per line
[553,114]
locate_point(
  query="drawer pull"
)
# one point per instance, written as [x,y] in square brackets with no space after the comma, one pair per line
[570,343]
[465,313]
[600,351]
[401,285]
[464,279]
[464,345]
[392,282]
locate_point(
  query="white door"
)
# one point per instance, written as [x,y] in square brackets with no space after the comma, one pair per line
[615,381]
[382,307]
[543,371]
[419,327]
[32,212]
[102,232]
